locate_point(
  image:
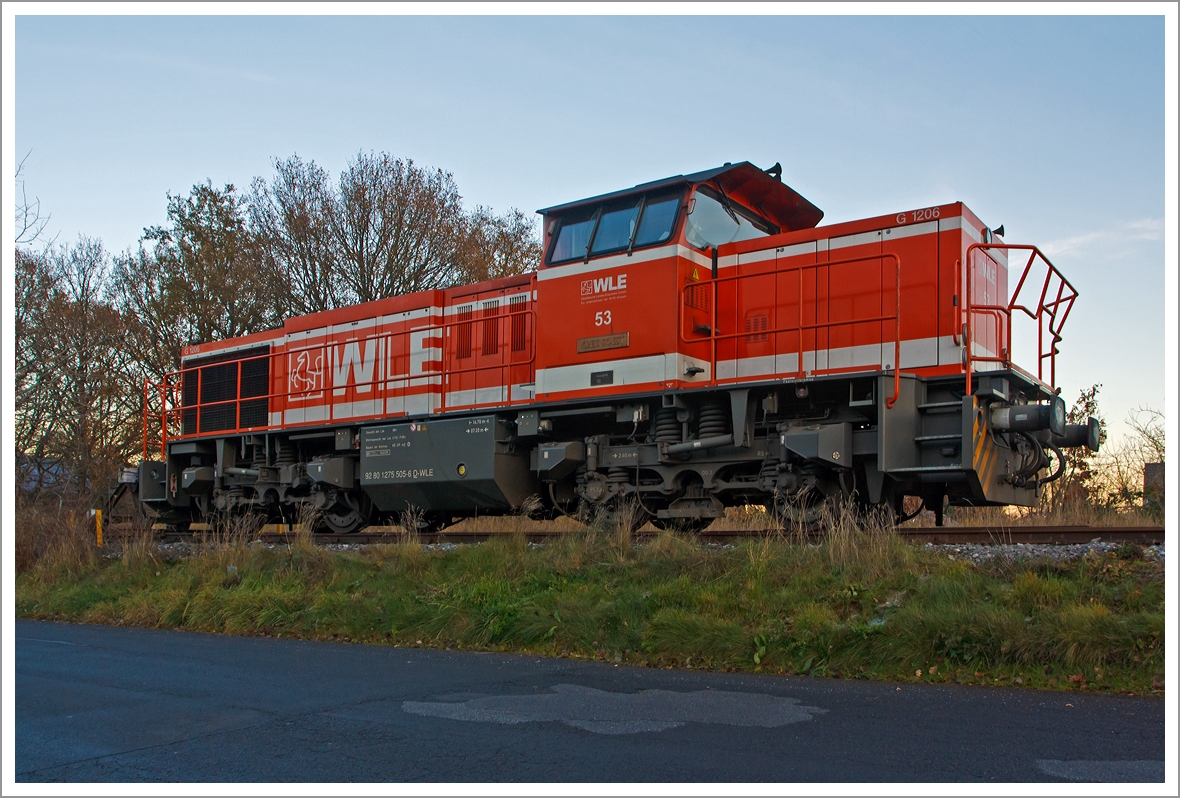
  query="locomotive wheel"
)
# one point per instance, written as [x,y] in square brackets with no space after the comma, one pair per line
[806,510]
[343,520]
[894,508]
[798,516]
[349,515]
[908,508]
[621,514]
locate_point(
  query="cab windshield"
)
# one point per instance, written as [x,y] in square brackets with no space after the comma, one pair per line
[619,226]
[714,219]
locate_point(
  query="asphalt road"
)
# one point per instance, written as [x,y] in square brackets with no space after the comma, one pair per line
[116,704]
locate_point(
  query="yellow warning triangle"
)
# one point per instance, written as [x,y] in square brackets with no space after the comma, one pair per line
[695,274]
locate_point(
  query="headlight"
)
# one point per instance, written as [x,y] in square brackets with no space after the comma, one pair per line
[1057,415]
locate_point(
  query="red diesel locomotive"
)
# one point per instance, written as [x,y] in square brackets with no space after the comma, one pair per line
[686,345]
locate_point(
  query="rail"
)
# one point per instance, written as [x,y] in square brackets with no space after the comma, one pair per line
[175,414]
[800,327]
[1049,315]
[946,535]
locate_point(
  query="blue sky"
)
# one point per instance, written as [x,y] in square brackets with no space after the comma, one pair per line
[1052,126]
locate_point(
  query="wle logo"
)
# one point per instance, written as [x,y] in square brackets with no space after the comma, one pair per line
[601,285]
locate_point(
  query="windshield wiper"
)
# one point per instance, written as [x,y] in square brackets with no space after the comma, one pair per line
[638,219]
[593,229]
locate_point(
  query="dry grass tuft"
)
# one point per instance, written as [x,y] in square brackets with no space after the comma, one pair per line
[411,522]
[864,543]
[139,544]
[55,534]
[510,524]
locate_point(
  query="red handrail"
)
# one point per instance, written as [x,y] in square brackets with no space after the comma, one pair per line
[958,299]
[1061,303]
[800,327]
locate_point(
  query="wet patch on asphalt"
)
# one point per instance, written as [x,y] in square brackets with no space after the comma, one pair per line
[604,712]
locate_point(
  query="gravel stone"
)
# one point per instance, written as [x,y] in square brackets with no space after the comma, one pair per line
[982,552]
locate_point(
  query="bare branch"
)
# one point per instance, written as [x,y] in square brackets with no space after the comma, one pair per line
[30,224]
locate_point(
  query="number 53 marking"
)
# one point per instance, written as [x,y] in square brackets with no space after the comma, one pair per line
[602,318]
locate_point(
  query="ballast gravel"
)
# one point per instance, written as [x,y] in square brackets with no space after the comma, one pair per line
[982,552]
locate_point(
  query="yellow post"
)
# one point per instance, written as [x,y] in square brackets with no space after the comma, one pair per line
[98,527]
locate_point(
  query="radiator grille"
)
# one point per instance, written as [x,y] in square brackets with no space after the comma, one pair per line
[516,306]
[757,323]
[463,333]
[491,328]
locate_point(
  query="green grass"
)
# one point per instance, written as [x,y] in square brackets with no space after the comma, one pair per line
[863,605]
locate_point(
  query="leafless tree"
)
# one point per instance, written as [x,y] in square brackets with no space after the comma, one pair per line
[1147,424]
[76,404]
[492,246]
[36,394]
[199,278]
[99,410]
[30,223]
[213,264]
[290,217]
[37,405]
[1121,466]
[154,313]
[1111,478]
[386,227]
[394,227]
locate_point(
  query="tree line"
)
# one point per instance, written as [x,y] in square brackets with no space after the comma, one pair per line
[91,326]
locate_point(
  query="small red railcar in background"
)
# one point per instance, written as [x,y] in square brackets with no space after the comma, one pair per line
[686,345]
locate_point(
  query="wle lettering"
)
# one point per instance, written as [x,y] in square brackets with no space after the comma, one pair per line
[600,285]
[361,364]
[350,358]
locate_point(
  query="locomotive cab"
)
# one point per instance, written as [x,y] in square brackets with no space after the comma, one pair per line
[736,203]
[619,265]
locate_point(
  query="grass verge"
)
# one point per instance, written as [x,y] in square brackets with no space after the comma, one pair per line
[863,604]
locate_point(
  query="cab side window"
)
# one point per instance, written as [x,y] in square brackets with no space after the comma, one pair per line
[573,237]
[659,217]
[615,229]
[621,226]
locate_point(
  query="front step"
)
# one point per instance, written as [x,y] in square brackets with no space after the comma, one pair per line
[940,433]
[923,440]
[940,407]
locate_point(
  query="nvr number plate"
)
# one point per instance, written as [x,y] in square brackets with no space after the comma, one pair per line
[427,451]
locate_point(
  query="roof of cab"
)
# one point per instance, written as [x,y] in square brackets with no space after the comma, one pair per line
[743,181]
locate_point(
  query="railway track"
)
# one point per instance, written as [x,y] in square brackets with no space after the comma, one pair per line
[1051,535]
